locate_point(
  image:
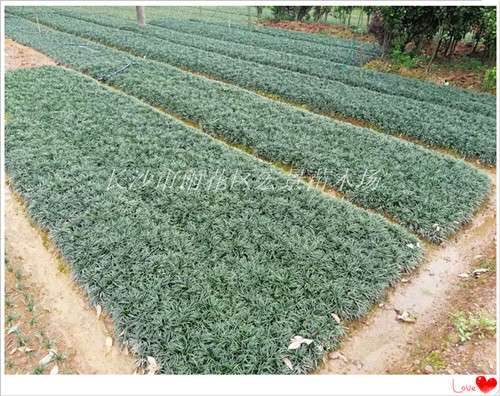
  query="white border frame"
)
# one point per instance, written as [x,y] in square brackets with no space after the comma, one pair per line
[214,384]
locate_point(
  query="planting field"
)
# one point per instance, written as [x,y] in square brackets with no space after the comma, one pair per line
[204,281]
[226,14]
[451,97]
[429,193]
[167,164]
[429,122]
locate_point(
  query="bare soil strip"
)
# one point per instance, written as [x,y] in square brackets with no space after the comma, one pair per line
[68,310]
[378,341]
[17,56]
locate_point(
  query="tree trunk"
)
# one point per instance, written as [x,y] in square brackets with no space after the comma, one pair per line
[449,46]
[360,16]
[478,39]
[141,18]
[436,50]
[259,12]
[419,44]
[386,44]
[457,40]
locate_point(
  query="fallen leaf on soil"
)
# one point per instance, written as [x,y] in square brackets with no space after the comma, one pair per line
[98,310]
[152,365]
[109,342]
[13,351]
[336,318]
[463,275]
[337,355]
[24,349]
[13,329]
[404,280]
[55,370]
[288,363]
[479,271]
[47,359]
[405,316]
[297,341]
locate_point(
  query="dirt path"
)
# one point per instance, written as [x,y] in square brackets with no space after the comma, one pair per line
[379,341]
[462,340]
[377,344]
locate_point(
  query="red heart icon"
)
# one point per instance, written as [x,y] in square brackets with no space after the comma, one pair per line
[486,385]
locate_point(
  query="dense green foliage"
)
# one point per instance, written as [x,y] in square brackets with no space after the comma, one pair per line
[433,124]
[205,281]
[314,50]
[242,51]
[352,75]
[431,194]
[352,53]
[490,78]
[300,36]
[403,25]
[205,26]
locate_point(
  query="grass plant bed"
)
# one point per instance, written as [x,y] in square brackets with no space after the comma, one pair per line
[430,123]
[172,30]
[429,193]
[205,281]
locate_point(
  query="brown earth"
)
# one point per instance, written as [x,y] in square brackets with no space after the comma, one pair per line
[439,348]
[467,78]
[29,336]
[19,56]
[321,28]
[62,312]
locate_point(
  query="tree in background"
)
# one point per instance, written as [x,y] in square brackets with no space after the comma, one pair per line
[321,12]
[141,18]
[290,13]
[396,27]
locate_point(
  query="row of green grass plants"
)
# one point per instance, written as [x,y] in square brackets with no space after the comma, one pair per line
[329,40]
[430,193]
[312,50]
[448,96]
[206,280]
[472,135]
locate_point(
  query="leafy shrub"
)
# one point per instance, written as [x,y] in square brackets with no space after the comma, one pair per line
[468,325]
[490,78]
[401,58]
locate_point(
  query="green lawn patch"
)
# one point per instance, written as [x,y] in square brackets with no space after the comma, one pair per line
[204,280]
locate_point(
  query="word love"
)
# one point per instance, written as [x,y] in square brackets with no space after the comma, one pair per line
[482,384]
